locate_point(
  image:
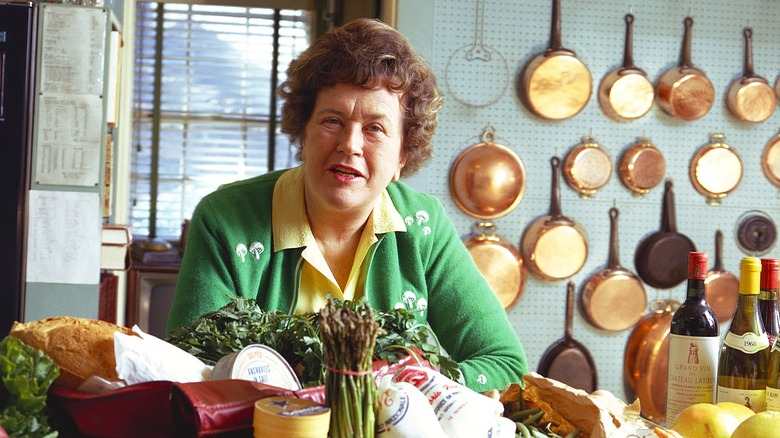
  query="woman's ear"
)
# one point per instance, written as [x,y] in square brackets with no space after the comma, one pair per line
[401,165]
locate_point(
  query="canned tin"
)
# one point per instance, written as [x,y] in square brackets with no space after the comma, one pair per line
[257,363]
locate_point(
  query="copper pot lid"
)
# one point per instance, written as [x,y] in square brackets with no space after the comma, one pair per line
[487,180]
[770,160]
[642,167]
[587,167]
[499,262]
[716,169]
[756,233]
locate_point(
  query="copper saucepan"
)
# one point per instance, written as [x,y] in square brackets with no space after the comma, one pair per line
[625,93]
[770,160]
[684,91]
[661,258]
[751,98]
[721,287]
[554,246]
[487,180]
[716,169]
[614,299]
[642,167]
[587,167]
[556,85]
[499,262]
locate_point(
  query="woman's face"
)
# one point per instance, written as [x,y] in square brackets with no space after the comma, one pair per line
[351,148]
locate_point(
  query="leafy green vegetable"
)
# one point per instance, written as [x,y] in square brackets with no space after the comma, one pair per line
[297,338]
[26,374]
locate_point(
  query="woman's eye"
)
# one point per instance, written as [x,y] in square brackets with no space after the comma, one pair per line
[332,121]
[374,128]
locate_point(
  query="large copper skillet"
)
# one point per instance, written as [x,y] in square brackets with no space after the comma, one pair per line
[556,85]
[499,262]
[626,93]
[554,246]
[567,360]
[751,98]
[684,91]
[661,258]
[487,180]
[614,298]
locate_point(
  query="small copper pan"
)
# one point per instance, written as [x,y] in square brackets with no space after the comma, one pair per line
[625,93]
[499,262]
[685,92]
[556,85]
[554,246]
[642,167]
[716,169]
[614,299]
[751,98]
[721,287]
[487,180]
[587,167]
[770,160]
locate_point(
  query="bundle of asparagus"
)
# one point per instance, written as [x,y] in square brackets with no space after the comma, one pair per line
[348,336]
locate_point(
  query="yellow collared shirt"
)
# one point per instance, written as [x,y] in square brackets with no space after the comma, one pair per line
[291,230]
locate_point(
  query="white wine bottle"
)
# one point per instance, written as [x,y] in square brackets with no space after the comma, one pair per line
[744,358]
[694,344]
[769,313]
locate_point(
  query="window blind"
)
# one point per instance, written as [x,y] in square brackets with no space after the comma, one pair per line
[205,111]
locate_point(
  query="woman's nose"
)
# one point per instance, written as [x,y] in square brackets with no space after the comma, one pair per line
[351,141]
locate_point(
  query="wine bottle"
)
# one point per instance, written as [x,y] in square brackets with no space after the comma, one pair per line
[694,344]
[771,319]
[767,298]
[744,358]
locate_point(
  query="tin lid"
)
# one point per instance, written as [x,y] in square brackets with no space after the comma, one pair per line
[257,363]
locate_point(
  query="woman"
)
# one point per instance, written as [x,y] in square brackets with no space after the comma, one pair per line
[363,107]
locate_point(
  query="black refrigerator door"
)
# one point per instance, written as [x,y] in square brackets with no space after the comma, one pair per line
[17,42]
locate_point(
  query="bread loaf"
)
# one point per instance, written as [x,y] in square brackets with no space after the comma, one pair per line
[81,347]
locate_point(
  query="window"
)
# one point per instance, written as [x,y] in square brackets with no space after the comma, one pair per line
[205,107]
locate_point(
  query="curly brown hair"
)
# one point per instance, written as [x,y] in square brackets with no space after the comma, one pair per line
[367,53]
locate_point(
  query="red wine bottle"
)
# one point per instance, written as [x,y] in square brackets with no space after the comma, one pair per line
[694,346]
[767,298]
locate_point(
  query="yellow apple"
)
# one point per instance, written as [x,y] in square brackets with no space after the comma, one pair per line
[763,424]
[705,420]
[740,411]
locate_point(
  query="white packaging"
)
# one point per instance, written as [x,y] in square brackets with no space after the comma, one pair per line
[404,412]
[461,412]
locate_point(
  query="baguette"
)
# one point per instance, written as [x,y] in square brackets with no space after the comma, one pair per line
[81,347]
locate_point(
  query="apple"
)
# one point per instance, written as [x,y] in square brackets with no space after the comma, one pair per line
[763,424]
[740,411]
[705,420]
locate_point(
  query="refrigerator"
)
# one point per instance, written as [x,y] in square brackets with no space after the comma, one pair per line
[17,67]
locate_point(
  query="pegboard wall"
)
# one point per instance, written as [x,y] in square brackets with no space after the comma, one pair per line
[595,30]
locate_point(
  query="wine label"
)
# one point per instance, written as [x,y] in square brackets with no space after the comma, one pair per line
[775,346]
[755,399]
[749,342]
[693,373]
[772,399]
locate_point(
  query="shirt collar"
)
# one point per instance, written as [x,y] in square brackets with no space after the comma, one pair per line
[291,226]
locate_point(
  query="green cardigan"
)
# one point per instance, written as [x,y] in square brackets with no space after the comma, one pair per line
[229,252]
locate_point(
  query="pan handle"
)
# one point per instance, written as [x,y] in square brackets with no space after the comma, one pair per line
[718,251]
[685,57]
[555,27]
[555,188]
[569,310]
[613,260]
[628,49]
[669,215]
[748,71]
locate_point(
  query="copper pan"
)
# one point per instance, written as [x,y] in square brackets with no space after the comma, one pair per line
[556,85]
[625,93]
[684,91]
[721,287]
[614,299]
[554,246]
[770,160]
[716,169]
[751,98]
[487,180]
[499,262]
[587,167]
[642,167]
[646,361]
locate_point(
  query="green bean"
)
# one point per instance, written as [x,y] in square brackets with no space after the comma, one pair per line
[533,418]
[524,432]
[519,415]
